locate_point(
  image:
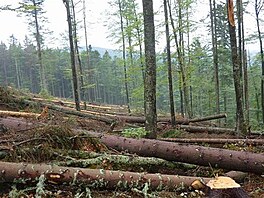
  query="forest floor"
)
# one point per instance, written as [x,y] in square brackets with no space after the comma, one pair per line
[19,143]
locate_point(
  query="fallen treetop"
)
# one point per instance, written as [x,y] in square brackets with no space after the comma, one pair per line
[193,154]
[96,178]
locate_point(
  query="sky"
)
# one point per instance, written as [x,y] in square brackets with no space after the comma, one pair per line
[96,19]
[56,14]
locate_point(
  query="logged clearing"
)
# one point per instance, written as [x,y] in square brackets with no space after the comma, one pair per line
[48,149]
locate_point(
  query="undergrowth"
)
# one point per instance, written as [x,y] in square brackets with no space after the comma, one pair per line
[134,132]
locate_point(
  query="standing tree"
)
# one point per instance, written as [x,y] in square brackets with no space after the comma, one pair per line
[172,110]
[240,123]
[34,11]
[150,73]
[215,53]
[90,94]
[258,7]
[77,54]
[72,52]
[15,51]
[178,33]
[120,6]
[243,57]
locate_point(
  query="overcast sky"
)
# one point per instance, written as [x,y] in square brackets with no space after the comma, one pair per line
[56,13]
[96,17]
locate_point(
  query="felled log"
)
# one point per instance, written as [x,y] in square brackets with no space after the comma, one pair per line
[216,141]
[135,119]
[225,187]
[193,154]
[216,130]
[18,114]
[14,123]
[71,111]
[96,178]
[207,129]
[89,105]
[108,118]
[238,176]
[207,118]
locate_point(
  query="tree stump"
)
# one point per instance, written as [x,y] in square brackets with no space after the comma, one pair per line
[225,187]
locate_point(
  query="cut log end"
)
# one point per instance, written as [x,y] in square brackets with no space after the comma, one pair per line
[222,183]
[225,187]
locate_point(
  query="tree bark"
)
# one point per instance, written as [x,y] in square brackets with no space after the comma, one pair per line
[124,53]
[240,122]
[150,73]
[168,52]
[221,158]
[215,54]
[258,8]
[16,124]
[73,65]
[197,129]
[215,130]
[216,141]
[180,55]
[71,111]
[130,119]
[210,117]
[97,178]
[43,82]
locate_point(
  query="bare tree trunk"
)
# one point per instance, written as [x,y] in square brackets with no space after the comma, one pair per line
[180,56]
[246,92]
[18,78]
[87,52]
[258,7]
[215,55]
[96,178]
[205,156]
[77,54]
[167,30]
[150,80]
[43,82]
[74,73]
[201,129]
[216,141]
[124,54]
[240,122]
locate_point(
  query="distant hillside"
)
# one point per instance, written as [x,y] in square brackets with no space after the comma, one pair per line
[102,51]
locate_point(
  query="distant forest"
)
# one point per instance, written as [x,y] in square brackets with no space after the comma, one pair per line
[202,72]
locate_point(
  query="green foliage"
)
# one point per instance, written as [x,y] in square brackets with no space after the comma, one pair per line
[15,193]
[40,191]
[134,132]
[45,94]
[173,133]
